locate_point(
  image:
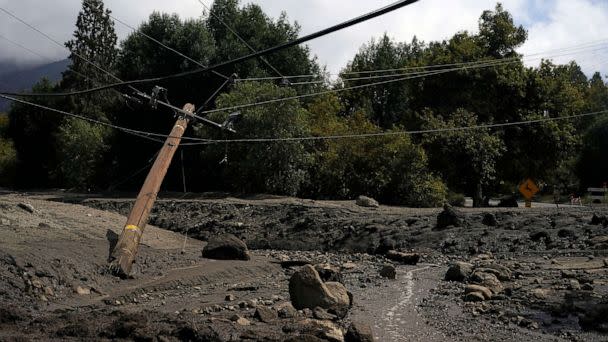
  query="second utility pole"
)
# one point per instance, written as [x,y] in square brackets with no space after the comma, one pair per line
[125,251]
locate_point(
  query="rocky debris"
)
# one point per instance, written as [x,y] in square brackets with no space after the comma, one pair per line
[328,272]
[240,320]
[597,220]
[322,329]
[265,314]
[367,202]
[230,298]
[489,219]
[459,271]
[403,258]
[307,290]
[485,292]
[226,247]
[5,222]
[488,280]
[27,207]
[388,271]
[501,272]
[539,235]
[359,332]
[449,217]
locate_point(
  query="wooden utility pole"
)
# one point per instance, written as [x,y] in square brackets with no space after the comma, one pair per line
[125,251]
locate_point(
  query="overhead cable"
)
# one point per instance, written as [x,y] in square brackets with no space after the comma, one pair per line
[233,31]
[387,9]
[397,133]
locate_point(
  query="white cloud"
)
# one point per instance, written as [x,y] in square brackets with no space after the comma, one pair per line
[551,23]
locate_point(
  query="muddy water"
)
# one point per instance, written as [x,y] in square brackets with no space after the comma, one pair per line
[394,308]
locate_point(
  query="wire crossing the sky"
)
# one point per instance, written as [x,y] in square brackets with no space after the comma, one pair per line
[387,9]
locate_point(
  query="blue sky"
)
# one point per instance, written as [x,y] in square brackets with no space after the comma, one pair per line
[552,24]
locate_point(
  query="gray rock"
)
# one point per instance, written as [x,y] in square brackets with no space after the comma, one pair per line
[359,332]
[287,311]
[501,272]
[329,273]
[449,217]
[322,314]
[487,294]
[403,258]
[364,201]
[459,271]
[226,247]
[307,290]
[265,314]
[474,297]
[488,280]
[388,271]
[490,220]
[27,207]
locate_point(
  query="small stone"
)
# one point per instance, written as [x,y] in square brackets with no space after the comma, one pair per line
[287,311]
[329,273]
[449,217]
[350,265]
[5,222]
[43,225]
[388,271]
[243,321]
[49,291]
[587,287]
[574,285]
[230,298]
[83,291]
[568,274]
[27,207]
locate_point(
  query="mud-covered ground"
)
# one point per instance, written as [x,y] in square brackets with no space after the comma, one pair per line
[54,284]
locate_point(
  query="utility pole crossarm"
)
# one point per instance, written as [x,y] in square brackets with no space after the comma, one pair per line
[125,251]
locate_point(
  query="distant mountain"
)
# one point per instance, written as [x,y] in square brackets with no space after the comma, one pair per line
[14,80]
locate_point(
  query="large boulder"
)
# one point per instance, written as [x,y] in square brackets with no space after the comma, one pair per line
[449,217]
[307,290]
[367,202]
[459,271]
[226,247]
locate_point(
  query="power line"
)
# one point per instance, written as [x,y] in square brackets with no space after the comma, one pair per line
[138,92]
[162,45]
[142,134]
[387,9]
[233,31]
[573,49]
[396,133]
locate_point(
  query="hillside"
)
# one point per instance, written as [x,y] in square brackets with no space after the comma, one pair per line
[13,79]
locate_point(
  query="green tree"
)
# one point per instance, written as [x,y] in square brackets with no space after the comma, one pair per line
[8,154]
[93,49]
[33,133]
[260,32]
[273,167]
[390,168]
[466,159]
[592,165]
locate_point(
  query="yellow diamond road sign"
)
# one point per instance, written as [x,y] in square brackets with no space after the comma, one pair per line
[528,188]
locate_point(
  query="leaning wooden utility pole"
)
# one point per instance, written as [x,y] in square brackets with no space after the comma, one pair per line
[125,251]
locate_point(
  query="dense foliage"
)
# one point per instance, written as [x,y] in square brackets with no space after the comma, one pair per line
[46,149]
